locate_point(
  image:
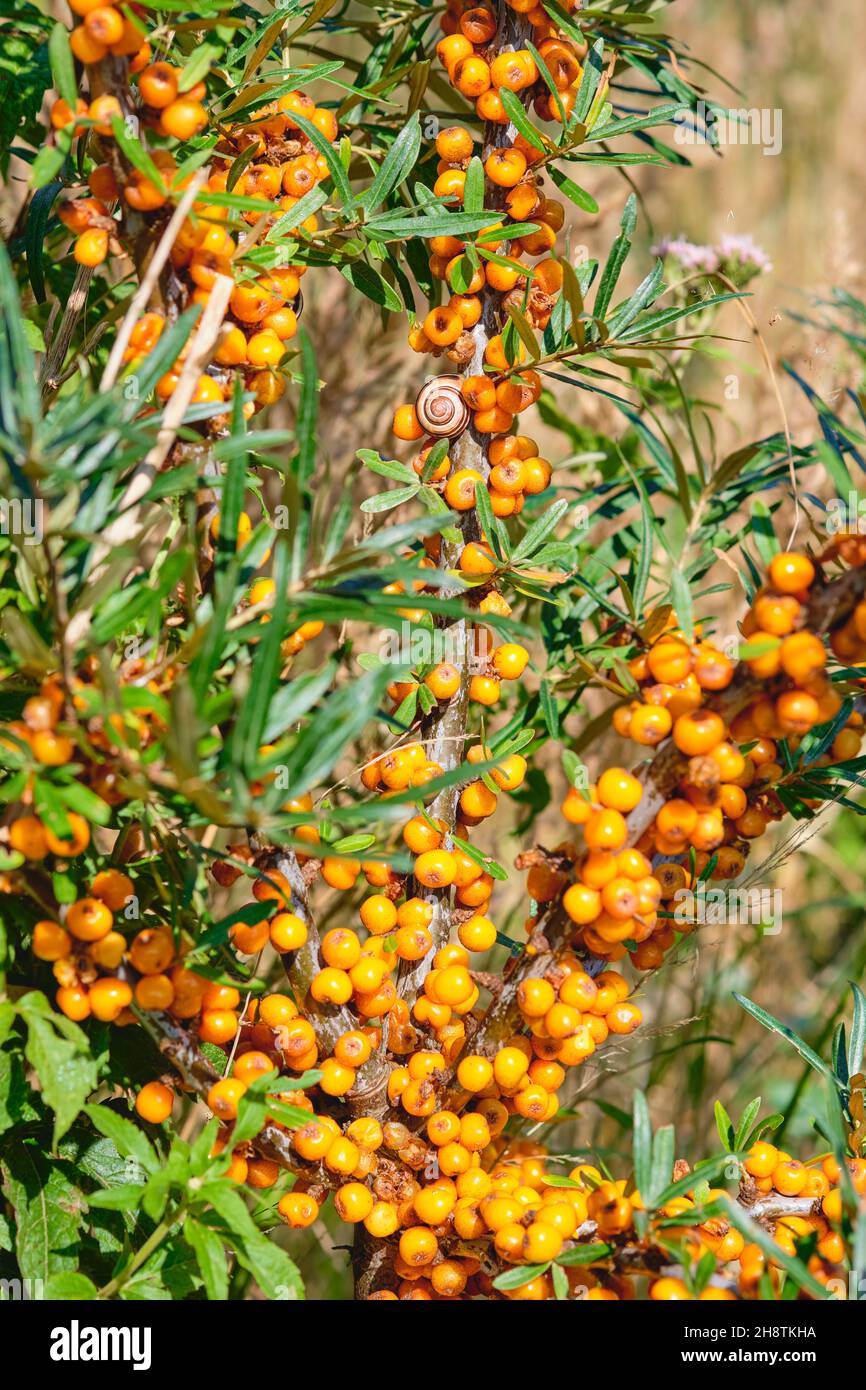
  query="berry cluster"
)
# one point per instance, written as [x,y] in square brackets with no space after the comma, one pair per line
[413,1117]
[285,165]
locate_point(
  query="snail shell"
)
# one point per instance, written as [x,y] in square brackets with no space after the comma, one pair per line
[440,407]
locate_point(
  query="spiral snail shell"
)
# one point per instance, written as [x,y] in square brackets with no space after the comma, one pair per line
[440,407]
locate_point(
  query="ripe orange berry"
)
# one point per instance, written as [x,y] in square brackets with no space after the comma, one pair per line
[460,489]
[698,732]
[789,1177]
[108,998]
[224,1096]
[762,1159]
[50,942]
[158,85]
[75,843]
[505,167]
[443,681]
[454,143]
[649,724]
[510,660]
[453,985]
[509,1065]
[85,47]
[113,888]
[217,1026]
[287,932]
[91,247]
[340,873]
[155,992]
[605,830]
[298,1209]
[88,919]
[435,869]
[619,790]
[331,986]
[790,572]
[484,690]
[418,1246]
[582,903]
[802,656]
[406,424]
[154,1101]
[378,914]
[353,1202]
[477,559]
[183,118]
[514,70]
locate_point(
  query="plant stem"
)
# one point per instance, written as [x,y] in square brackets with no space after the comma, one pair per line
[154,1240]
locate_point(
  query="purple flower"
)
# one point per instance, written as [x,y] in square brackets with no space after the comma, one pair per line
[745,252]
[689,255]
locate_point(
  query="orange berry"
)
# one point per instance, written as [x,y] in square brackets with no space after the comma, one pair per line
[154,1102]
[790,572]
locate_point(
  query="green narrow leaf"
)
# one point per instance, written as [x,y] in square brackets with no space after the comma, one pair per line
[573,191]
[747,1119]
[516,113]
[34,235]
[763,531]
[681,597]
[774,1025]
[325,148]
[616,259]
[308,411]
[662,1164]
[517,1277]
[589,80]
[540,529]
[62,65]
[254,712]
[725,1126]
[858,1032]
[137,154]
[372,285]
[273,1270]
[642,1139]
[386,501]
[524,332]
[473,190]
[549,708]
[397,164]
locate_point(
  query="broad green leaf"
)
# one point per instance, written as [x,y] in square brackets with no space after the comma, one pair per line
[128,1139]
[211,1258]
[60,1054]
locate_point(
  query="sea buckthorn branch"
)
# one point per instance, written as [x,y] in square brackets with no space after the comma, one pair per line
[446,741]
[302,965]
[407,1124]
[274,1142]
[830,606]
